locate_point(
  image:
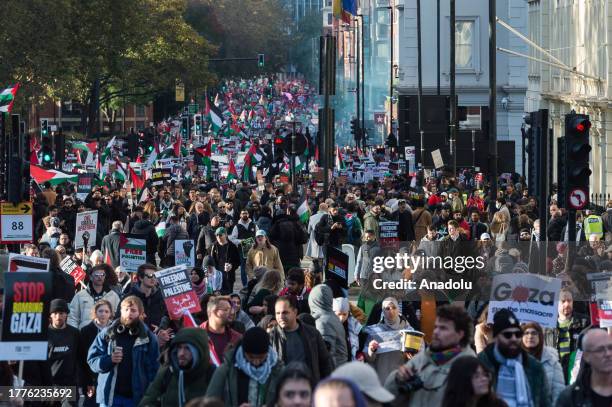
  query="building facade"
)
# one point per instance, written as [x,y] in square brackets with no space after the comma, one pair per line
[576,33]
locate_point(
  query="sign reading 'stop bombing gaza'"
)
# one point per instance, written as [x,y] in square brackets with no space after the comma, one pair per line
[532,298]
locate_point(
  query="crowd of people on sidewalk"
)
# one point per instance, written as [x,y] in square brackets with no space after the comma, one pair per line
[277,329]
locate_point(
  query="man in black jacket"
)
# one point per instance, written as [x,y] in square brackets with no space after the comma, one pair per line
[404,217]
[297,342]
[206,239]
[331,226]
[226,259]
[146,289]
[143,226]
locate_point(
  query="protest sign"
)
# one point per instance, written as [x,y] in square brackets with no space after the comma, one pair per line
[68,266]
[184,252]
[603,295]
[21,263]
[159,176]
[26,307]
[177,291]
[337,266]
[532,298]
[132,252]
[436,156]
[389,233]
[84,185]
[86,229]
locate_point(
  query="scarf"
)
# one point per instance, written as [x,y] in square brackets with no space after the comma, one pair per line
[444,356]
[512,384]
[260,373]
[199,288]
[396,324]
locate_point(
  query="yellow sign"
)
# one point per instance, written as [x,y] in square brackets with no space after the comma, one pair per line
[180,92]
[24,208]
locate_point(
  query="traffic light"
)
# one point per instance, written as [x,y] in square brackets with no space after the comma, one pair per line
[391,140]
[132,147]
[60,146]
[260,60]
[46,146]
[185,127]
[197,119]
[279,151]
[44,127]
[577,172]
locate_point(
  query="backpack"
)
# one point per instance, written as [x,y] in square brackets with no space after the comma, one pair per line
[320,236]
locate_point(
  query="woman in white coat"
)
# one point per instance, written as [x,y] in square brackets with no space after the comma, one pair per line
[533,343]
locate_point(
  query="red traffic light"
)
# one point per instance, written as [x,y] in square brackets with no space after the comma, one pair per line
[581,125]
[279,140]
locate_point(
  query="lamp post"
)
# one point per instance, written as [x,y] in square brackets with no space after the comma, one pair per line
[390,8]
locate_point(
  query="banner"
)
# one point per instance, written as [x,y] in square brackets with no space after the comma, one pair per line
[532,298]
[132,252]
[68,266]
[28,264]
[603,295]
[389,233]
[184,253]
[86,229]
[336,266]
[177,291]
[159,176]
[84,185]
[25,322]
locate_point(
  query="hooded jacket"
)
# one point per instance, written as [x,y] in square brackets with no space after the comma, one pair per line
[145,227]
[168,385]
[327,323]
[82,303]
[154,305]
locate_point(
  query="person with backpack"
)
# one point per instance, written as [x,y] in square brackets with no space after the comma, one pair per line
[331,229]
[186,373]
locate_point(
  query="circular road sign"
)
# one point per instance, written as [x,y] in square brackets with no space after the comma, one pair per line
[577,198]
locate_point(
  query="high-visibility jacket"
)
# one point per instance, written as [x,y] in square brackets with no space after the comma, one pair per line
[593,225]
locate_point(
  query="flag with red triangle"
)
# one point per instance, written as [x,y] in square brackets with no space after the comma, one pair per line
[188,321]
[231,172]
[137,181]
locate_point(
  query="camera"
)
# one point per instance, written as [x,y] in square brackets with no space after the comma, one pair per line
[411,385]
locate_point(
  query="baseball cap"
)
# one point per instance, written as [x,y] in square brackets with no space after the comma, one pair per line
[366,378]
[260,232]
[220,231]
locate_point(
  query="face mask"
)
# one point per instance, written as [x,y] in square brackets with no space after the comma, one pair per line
[498,205]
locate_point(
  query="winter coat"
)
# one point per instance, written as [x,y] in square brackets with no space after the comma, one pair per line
[164,390]
[268,257]
[264,223]
[315,350]
[145,354]
[432,375]
[371,222]
[579,393]
[421,219]
[110,245]
[313,250]
[288,236]
[387,362]
[173,233]
[195,223]
[205,240]
[534,372]
[63,285]
[365,259]
[83,302]
[327,323]
[154,305]
[554,372]
[146,228]
[225,381]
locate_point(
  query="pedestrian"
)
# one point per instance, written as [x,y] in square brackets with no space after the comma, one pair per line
[294,387]
[249,373]
[226,258]
[110,243]
[338,392]
[366,379]
[146,289]
[174,231]
[243,236]
[83,301]
[220,335]
[469,384]
[125,357]
[518,377]
[263,254]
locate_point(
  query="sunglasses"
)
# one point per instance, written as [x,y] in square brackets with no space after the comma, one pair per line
[98,275]
[150,275]
[509,335]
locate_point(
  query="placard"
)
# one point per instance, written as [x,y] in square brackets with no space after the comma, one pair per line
[16,223]
[177,291]
[26,308]
[84,185]
[436,155]
[68,266]
[389,233]
[132,252]
[184,253]
[159,176]
[336,266]
[86,229]
[27,264]
[532,298]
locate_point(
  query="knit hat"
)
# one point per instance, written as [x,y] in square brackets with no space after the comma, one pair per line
[59,305]
[504,319]
[341,304]
[220,231]
[256,341]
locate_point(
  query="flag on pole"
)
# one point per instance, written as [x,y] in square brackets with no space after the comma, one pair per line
[188,321]
[7,98]
[231,172]
[303,211]
[137,181]
[42,175]
[339,159]
[119,174]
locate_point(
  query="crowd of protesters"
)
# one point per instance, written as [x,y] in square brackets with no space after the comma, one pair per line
[276,330]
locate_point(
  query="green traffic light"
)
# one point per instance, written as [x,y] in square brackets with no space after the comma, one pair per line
[47,157]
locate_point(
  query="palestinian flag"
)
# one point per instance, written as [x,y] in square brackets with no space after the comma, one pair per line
[137,181]
[206,153]
[7,98]
[108,150]
[303,211]
[120,174]
[215,119]
[177,146]
[339,160]
[232,173]
[42,175]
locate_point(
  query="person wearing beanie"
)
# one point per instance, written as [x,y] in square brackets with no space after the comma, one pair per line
[249,373]
[518,378]
[186,373]
[352,327]
[64,347]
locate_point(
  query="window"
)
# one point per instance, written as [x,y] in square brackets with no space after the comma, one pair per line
[140,125]
[382,50]
[464,44]
[140,110]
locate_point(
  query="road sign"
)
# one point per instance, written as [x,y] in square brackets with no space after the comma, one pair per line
[193,108]
[16,223]
[379,117]
[577,198]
